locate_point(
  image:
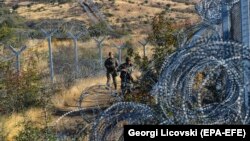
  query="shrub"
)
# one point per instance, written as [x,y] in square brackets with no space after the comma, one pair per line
[19,91]
[98,30]
[164,42]
[33,133]
[5,31]
[9,22]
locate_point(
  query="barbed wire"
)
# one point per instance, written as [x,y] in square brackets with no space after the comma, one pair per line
[175,87]
[109,125]
[217,98]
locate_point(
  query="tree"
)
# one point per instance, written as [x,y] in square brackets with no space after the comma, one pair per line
[164,41]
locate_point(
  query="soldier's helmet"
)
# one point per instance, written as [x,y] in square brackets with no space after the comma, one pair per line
[128,59]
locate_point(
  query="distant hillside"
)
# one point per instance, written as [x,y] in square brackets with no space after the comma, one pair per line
[133,16]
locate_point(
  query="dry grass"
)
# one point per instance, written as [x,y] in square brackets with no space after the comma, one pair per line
[12,125]
[71,11]
[48,11]
[64,100]
[68,98]
[121,10]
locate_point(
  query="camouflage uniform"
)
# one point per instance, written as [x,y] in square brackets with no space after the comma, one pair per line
[111,65]
[126,77]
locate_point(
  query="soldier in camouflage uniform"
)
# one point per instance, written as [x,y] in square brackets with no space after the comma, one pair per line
[111,65]
[126,70]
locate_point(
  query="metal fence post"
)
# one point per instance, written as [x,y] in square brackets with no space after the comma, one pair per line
[245,30]
[99,43]
[144,44]
[18,56]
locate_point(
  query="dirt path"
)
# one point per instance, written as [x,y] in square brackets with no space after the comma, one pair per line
[94,100]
